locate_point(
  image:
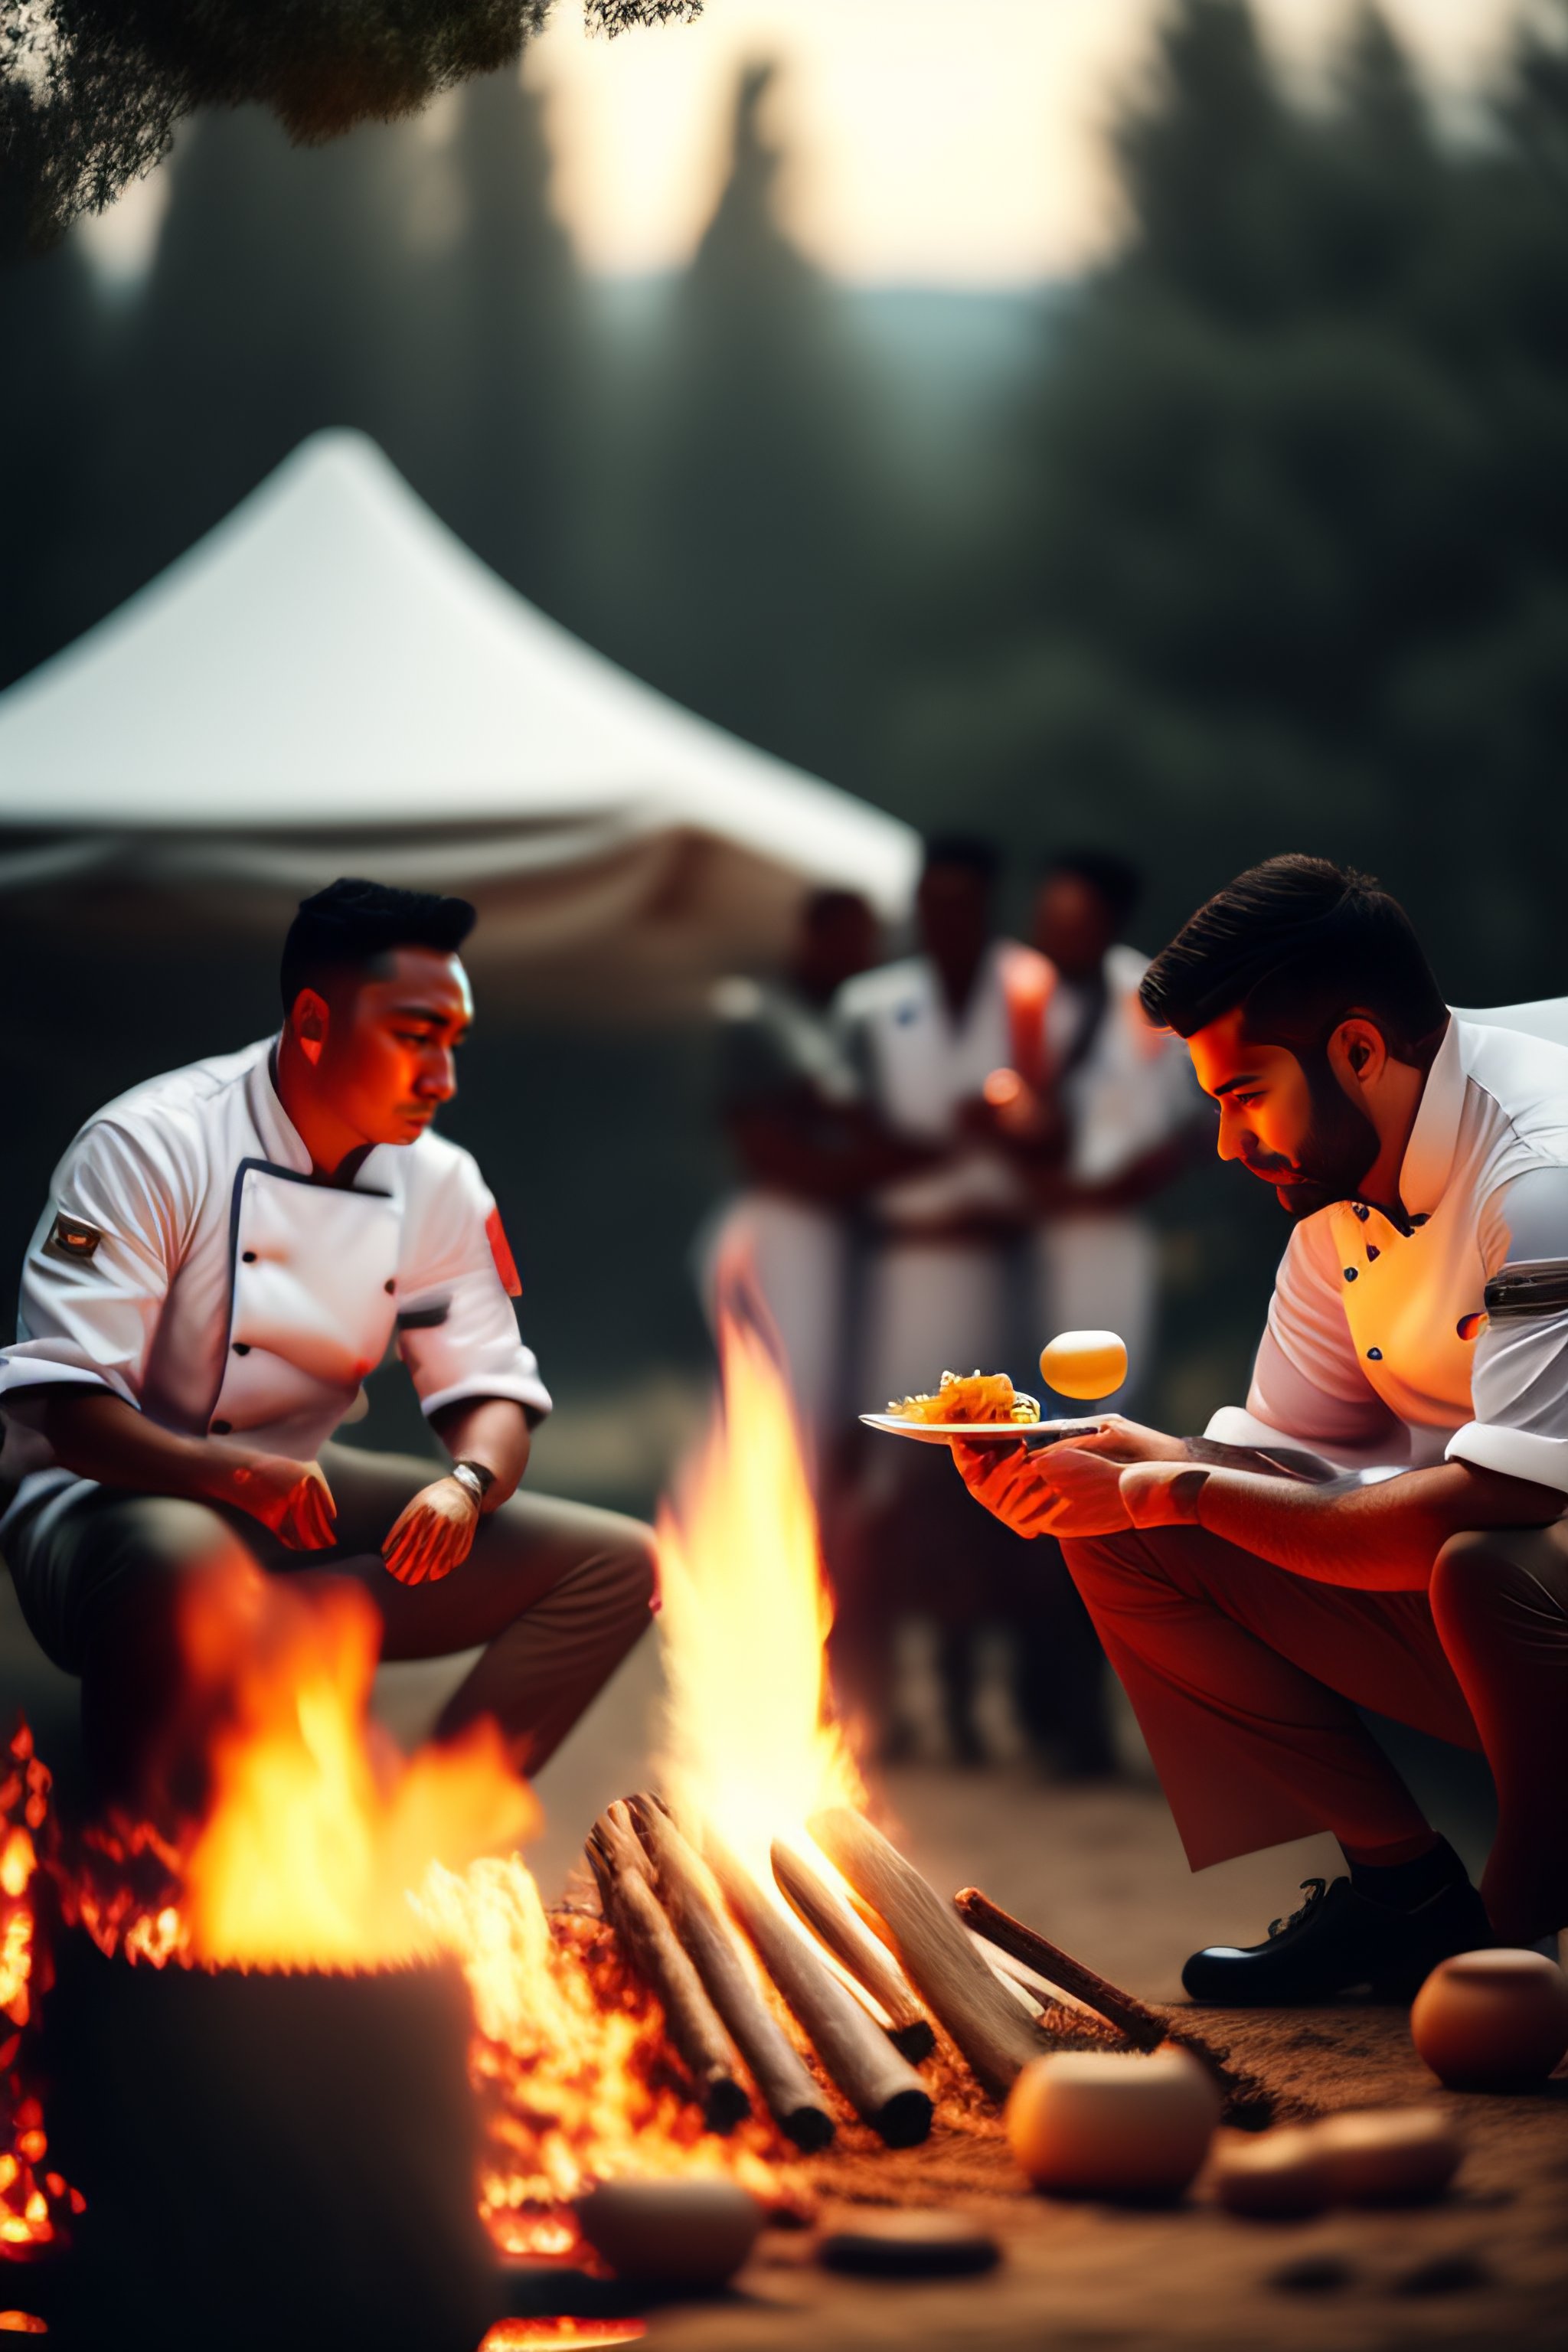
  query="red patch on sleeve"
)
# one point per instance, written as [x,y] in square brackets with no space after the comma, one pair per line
[501,1249]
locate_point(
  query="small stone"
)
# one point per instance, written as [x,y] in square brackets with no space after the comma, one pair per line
[1315,2274]
[1444,2274]
[910,2244]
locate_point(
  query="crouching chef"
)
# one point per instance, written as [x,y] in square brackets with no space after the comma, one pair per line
[226,1251]
[1383,1525]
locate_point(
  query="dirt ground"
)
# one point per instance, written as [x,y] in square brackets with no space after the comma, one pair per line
[1100,1871]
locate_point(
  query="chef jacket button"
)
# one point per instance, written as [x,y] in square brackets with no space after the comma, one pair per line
[221,1428]
[1361,1211]
[1372,1251]
[1350,1273]
[1422,1219]
[1374,1355]
[242,1347]
[250,1257]
[389,1288]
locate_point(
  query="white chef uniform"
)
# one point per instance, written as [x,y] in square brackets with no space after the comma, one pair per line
[1398,1344]
[936,1306]
[187,1263]
[1125,1090]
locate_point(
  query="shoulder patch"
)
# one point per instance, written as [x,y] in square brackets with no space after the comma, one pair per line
[501,1249]
[72,1238]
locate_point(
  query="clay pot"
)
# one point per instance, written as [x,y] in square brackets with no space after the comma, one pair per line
[1387,2155]
[1492,2020]
[688,2234]
[1094,2123]
[269,2157]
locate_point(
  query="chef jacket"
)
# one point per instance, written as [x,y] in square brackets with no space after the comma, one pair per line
[1126,1088]
[188,1263]
[1401,1340]
[918,1064]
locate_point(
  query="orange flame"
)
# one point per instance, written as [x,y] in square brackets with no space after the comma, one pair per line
[750,1744]
[317,1829]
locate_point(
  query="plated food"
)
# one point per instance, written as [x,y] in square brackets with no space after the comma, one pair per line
[979,1397]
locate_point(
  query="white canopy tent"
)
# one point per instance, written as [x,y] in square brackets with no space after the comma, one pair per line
[330,682]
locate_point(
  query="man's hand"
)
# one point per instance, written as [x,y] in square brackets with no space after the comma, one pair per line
[292,1498]
[433,1535]
[1120,1440]
[1062,1490]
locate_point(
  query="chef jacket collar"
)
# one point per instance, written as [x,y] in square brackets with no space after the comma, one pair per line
[281,1141]
[1429,1155]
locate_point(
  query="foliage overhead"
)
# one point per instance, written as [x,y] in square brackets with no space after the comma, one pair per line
[91,91]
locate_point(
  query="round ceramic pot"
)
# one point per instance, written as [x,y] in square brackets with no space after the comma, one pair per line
[1093,2123]
[1492,2020]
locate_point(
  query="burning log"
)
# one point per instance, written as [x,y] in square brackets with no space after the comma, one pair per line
[869,1961]
[879,2084]
[1130,2016]
[686,1887]
[938,1957]
[633,1909]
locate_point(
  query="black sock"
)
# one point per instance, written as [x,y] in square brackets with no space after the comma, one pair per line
[1403,1885]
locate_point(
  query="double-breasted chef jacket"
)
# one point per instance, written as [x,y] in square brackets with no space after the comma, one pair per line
[1396,1341]
[188,1263]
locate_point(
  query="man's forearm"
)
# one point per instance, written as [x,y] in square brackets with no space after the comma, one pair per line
[1381,1539]
[492,1430]
[100,1436]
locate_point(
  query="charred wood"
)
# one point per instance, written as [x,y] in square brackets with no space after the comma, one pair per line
[687,1889]
[653,1949]
[827,1914]
[881,2086]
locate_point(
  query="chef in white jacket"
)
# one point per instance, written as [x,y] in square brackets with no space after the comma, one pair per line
[226,1251]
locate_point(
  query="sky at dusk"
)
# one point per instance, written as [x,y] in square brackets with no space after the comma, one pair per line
[954,142]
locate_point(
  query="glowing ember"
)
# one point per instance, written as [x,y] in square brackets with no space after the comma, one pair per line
[571,2062]
[545,2334]
[750,1743]
[34,2201]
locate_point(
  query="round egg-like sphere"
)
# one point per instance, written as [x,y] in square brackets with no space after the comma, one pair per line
[1492,2020]
[1084,1364]
[1094,2123]
[690,2233]
[1270,2173]
[1387,2155]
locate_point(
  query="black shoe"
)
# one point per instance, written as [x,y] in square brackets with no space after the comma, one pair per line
[1341,1941]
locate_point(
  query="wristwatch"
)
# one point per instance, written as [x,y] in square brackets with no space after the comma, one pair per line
[476,1478]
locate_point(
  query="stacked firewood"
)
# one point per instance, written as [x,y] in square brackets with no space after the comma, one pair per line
[708,1938]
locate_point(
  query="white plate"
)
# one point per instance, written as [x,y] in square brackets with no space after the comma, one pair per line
[980,1432]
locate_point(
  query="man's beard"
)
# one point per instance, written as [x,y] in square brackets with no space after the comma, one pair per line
[1338,1147]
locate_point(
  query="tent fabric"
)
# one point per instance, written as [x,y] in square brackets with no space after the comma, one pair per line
[330,681]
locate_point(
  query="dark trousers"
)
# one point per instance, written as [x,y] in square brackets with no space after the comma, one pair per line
[555,1592]
[1247,1680]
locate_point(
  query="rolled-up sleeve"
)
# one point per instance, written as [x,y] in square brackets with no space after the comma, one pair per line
[1519,1387]
[98,1268]
[457,1330]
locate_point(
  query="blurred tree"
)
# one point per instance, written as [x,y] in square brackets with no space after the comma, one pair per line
[763,520]
[505,427]
[285,295]
[1290,565]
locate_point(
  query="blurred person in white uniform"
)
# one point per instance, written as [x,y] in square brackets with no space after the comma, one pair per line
[927,1034]
[226,1251]
[793,1106]
[1130,1114]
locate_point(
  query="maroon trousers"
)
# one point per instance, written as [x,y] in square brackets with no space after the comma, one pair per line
[1245,1680]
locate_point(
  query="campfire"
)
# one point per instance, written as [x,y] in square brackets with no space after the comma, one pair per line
[764,1978]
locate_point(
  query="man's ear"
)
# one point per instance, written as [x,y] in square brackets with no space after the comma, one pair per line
[309,1020]
[1358,1053]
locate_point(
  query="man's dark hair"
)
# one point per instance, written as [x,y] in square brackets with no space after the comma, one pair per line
[1115,880]
[350,924]
[826,906]
[971,851]
[1300,944]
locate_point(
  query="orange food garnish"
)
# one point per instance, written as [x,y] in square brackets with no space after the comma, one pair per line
[982,1396]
